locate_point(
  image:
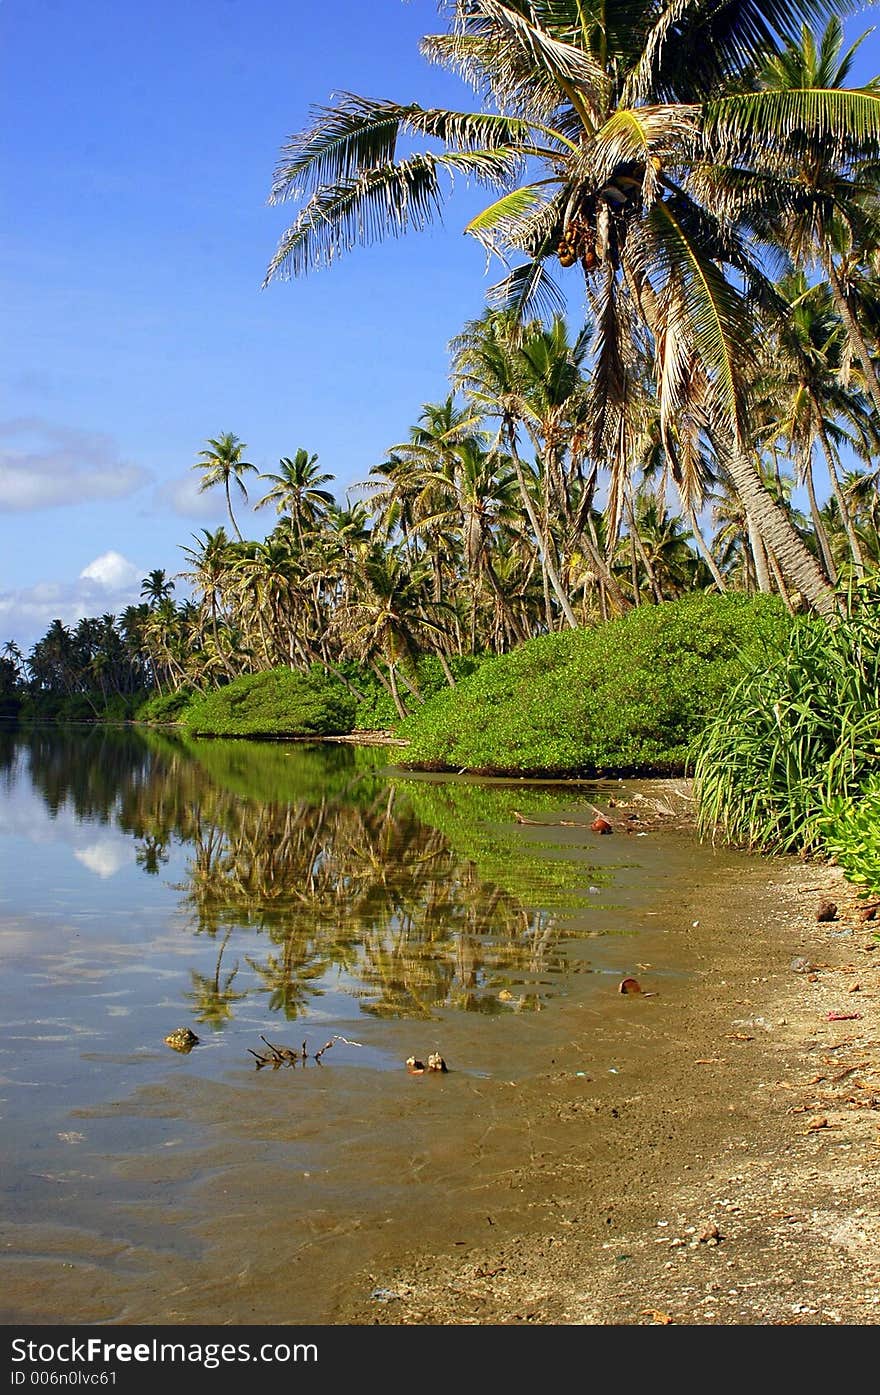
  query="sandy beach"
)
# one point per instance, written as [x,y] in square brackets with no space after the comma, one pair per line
[737,1184]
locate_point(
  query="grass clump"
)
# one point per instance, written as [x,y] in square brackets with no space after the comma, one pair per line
[626,697]
[796,740]
[278,702]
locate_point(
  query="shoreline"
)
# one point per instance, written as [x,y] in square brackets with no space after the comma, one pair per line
[759,1206]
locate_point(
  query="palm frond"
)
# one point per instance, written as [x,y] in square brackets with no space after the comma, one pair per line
[358,211]
[354,135]
[469,130]
[501,220]
[536,232]
[710,315]
[695,46]
[518,47]
[750,124]
[359,134]
[640,136]
[377,203]
[526,290]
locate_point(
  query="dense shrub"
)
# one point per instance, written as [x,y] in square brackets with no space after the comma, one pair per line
[165,707]
[798,733]
[55,707]
[376,710]
[120,707]
[279,702]
[624,697]
[849,829]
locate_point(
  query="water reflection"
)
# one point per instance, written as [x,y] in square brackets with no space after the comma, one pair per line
[312,872]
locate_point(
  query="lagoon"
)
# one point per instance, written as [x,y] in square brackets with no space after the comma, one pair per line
[306,894]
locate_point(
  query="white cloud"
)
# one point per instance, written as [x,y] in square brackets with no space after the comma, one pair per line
[111,571]
[184,498]
[46,466]
[105,585]
[106,857]
[23,816]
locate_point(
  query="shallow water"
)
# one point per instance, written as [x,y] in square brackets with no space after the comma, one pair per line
[303,895]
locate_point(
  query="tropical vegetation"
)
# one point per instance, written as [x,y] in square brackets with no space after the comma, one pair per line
[631,695]
[673,391]
[788,762]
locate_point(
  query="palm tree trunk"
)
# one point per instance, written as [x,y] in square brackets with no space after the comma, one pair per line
[780,584]
[799,567]
[392,678]
[843,505]
[447,671]
[231,514]
[704,549]
[608,581]
[854,331]
[390,687]
[818,526]
[546,561]
[634,571]
[642,551]
[504,606]
[759,556]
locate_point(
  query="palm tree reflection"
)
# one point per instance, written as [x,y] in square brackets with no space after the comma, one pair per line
[213,997]
[320,869]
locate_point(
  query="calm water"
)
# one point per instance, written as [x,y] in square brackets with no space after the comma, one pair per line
[305,894]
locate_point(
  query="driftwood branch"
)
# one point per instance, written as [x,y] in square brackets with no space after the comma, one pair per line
[288,1056]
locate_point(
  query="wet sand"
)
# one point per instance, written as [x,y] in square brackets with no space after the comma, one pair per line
[734,1182]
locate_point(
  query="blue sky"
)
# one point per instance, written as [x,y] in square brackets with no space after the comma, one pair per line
[139,145]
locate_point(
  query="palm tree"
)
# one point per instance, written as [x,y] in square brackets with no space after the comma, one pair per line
[663,547]
[615,134]
[486,369]
[404,487]
[296,491]
[212,561]
[528,379]
[833,222]
[269,581]
[156,587]
[808,404]
[12,653]
[473,497]
[221,463]
[387,617]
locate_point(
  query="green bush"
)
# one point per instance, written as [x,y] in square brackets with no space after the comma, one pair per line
[800,731]
[624,697]
[76,708]
[165,707]
[376,711]
[849,829]
[120,707]
[279,702]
